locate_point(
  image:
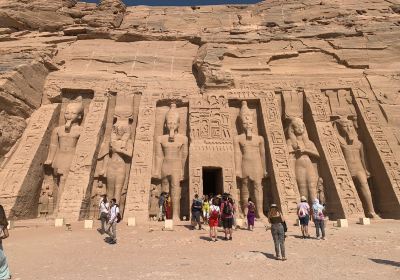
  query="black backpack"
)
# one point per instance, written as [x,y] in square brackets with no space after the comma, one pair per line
[227,209]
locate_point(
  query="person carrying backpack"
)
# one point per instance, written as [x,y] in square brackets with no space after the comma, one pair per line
[213,220]
[115,217]
[197,206]
[227,217]
[303,212]
[319,218]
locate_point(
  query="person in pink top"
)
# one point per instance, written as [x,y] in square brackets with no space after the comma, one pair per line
[303,212]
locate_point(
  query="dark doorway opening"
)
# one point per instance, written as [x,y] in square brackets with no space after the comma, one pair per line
[212,181]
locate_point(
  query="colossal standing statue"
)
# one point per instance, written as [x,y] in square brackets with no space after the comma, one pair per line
[250,161]
[354,154]
[116,167]
[171,152]
[301,148]
[63,143]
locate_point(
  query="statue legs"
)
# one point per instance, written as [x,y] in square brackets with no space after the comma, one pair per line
[165,185]
[244,193]
[258,196]
[312,181]
[364,194]
[61,184]
[173,181]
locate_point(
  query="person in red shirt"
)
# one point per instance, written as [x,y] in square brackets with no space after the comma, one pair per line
[213,221]
[227,217]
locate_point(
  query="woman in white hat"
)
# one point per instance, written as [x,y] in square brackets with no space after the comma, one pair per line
[303,212]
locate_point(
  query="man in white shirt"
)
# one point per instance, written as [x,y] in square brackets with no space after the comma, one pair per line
[112,223]
[104,209]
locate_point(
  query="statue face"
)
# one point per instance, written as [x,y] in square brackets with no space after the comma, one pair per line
[347,127]
[247,123]
[72,114]
[298,127]
[172,124]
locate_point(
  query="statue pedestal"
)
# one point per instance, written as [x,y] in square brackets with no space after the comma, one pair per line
[342,223]
[10,224]
[364,221]
[59,222]
[88,224]
[168,225]
[131,222]
[240,223]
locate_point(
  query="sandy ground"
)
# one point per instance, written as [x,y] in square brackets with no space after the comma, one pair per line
[147,252]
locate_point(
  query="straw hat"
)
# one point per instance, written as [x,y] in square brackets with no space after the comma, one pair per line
[303,199]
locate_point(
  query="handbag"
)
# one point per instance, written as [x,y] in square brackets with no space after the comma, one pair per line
[284,226]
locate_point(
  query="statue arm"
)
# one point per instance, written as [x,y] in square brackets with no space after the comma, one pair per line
[238,157]
[185,153]
[363,160]
[311,150]
[262,155]
[53,147]
[158,159]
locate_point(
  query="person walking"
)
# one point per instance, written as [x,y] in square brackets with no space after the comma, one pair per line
[4,270]
[303,212]
[251,214]
[213,221]
[197,206]
[161,211]
[113,220]
[319,218]
[227,217]
[206,210]
[103,209]
[276,219]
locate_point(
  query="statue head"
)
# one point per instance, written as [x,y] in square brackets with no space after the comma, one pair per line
[73,113]
[246,117]
[172,121]
[346,128]
[297,126]
[121,132]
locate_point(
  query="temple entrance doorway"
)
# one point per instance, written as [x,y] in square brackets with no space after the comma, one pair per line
[212,181]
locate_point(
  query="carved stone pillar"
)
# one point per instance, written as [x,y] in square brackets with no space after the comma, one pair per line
[74,201]
[343,200]
[137,198]
[18,192]
[286,192]
[387,165]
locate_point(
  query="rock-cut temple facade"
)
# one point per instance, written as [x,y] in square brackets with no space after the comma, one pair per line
[272,101]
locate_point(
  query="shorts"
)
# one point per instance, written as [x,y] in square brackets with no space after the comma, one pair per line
[227,222]
[196,216]
[304,220]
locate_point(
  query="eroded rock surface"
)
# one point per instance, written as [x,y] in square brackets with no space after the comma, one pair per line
[332,53]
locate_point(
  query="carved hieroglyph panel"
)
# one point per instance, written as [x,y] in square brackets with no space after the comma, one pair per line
[340,180]
[211,142]
[370,113]
[18,190]
[137,198]
[283,177]
[74,201]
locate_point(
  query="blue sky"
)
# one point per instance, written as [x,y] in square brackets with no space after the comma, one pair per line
[182,2]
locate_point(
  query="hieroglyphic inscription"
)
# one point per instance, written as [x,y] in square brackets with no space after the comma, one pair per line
[140,174]
[337,170]
[211,142]
[18,190]
[75,198]
[282,173]
[370,113]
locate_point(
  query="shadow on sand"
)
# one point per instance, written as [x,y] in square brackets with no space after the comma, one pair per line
[387,262]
